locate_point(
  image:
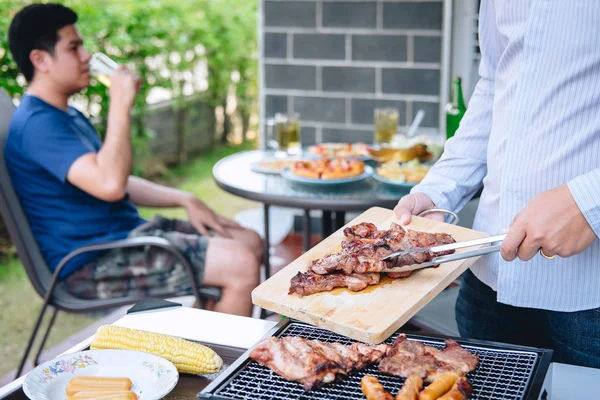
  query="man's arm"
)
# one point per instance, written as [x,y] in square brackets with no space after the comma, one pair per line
[585,189]
[459,173]
[563,221]
[148,194]
[104,174]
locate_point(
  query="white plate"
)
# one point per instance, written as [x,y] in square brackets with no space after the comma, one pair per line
[389,182]
[153,377]
[289,175]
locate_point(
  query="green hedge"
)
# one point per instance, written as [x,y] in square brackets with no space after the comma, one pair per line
[163,41]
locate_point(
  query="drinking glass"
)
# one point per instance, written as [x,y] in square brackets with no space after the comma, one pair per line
[102,67]
[283,133]
[386,125]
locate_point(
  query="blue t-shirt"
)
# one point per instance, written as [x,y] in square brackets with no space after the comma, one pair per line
[43,142]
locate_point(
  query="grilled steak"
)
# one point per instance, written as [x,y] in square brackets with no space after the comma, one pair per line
[364,255]
[412,357]
[359,262]
[313,362]
[308,283]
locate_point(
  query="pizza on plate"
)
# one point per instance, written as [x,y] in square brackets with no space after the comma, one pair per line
[326,169]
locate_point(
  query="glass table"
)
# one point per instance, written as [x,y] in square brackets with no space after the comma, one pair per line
[235,175]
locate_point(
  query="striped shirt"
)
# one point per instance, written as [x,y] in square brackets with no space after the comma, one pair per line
[533,123]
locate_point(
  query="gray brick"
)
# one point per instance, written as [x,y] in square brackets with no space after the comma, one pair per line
[348,79]
[428,49]
[350,14]
[432,113]
[411,81]
[275,45]
[320,109]
[323,47]
[275,104]
[308,136]
[379,47]
[290,77]
[290,13]
[347,135]
[421,15]
[363,109]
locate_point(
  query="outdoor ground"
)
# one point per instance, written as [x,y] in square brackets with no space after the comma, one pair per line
[20,304]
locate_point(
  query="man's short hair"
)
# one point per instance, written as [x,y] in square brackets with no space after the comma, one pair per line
[36,27]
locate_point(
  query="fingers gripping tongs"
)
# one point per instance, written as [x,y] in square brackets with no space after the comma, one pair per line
[447,258]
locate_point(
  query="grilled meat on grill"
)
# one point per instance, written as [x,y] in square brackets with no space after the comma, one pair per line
[455,359]
[308,283]
[313,362]
[412,357]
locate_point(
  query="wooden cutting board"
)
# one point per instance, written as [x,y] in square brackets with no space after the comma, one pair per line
[374,314]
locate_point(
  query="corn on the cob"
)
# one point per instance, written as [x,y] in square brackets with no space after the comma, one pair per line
[188,357]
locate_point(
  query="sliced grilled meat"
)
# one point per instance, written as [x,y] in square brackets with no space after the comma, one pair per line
[413,357]
[313,362]
[306,283]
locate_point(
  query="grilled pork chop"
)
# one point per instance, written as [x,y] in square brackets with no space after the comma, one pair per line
[308,283]
[363,255]
[313,362]
[413,357]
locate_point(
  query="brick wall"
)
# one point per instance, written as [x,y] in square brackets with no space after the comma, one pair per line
[334,61]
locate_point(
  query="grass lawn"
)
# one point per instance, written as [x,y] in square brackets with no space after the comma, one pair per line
[20,304]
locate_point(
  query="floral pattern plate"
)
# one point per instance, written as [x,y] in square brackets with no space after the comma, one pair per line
[153,377]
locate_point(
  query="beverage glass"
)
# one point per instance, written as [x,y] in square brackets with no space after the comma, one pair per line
[283,133]
[102,67]
[386,125]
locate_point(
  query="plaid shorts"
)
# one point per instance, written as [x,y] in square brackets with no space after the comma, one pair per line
[145,271]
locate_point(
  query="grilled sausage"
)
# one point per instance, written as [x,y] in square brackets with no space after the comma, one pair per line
[460,391]
[96,383]
[439,387]
[374,390]
[411,388]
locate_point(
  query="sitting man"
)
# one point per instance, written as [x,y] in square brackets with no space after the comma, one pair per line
[76,190]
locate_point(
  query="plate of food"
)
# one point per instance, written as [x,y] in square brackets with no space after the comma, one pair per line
[417,151]
[327,171]
[272,165]
[132,374]
[404,175]
[356,151]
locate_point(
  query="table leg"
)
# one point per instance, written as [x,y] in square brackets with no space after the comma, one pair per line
[267,255]
[267,247]
[340,219]
[326,224]
[307,230]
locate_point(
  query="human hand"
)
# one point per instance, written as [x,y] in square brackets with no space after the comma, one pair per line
[552,223]
[413,204]
[202,218]
[124,85]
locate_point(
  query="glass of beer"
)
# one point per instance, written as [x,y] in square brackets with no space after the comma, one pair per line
[386,125]
[283,133]
[102,67]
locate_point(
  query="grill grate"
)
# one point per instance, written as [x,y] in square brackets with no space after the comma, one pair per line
[501,374]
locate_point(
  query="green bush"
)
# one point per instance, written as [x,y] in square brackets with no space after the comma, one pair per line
[164,41]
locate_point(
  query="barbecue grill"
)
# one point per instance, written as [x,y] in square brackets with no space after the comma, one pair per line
[505,372]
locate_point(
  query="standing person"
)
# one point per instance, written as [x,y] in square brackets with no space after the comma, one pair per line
[531,136]
[76,190]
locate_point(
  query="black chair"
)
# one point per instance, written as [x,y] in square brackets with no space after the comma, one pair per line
[46,283]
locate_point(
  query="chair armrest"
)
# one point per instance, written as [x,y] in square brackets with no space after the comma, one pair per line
[212,293]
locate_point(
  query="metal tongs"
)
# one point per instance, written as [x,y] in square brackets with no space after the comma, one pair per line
[445,247]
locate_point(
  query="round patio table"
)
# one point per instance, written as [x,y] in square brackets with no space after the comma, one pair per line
[234,175]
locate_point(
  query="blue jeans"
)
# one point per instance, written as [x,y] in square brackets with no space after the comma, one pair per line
[574,336]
